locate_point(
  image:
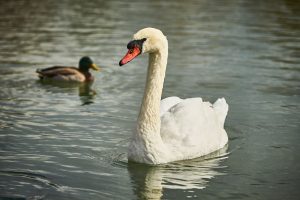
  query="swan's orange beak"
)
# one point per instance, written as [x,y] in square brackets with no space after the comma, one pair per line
[131,54]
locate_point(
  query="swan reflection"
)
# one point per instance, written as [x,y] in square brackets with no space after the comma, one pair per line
[149,182]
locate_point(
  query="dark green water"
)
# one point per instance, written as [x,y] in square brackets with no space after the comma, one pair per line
[69,142]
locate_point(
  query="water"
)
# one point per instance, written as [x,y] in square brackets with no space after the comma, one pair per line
[70,141]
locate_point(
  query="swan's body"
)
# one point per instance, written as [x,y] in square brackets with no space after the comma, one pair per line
[171,129]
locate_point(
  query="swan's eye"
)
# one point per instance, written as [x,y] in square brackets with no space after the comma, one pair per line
[131,51]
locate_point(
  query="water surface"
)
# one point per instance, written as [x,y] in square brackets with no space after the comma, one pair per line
[69,141]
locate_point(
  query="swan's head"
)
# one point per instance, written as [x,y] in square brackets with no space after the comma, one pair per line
[147,40]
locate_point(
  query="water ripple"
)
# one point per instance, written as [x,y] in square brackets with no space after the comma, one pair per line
[61,141]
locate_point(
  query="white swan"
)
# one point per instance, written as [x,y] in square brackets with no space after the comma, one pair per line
[171,129]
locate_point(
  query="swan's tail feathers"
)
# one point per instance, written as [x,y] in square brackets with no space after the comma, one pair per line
[221,108]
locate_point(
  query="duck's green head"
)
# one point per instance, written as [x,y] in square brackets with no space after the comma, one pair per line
[86,63]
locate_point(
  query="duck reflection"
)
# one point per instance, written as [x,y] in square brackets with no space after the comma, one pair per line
[85,92]
[149,182]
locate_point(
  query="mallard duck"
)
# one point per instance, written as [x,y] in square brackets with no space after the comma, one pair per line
[70,74]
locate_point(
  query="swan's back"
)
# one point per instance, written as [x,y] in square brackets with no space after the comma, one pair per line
[167,103]
[194,127]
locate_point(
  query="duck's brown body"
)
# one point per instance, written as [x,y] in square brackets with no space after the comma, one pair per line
[69,74]
[60,73]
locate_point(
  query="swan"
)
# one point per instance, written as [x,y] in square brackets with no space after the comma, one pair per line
[171,129]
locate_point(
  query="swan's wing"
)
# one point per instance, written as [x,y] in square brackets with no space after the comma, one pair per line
[167,103]
[221,109]
[192,125]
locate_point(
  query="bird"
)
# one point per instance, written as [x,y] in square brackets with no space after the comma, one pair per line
[70,74]
[171,129]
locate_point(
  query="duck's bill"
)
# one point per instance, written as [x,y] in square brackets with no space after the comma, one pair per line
[95,67]
[130,55]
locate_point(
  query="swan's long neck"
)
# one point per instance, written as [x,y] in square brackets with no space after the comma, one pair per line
[149,116]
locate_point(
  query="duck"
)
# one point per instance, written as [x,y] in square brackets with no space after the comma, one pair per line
[171,129]
[70,74]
